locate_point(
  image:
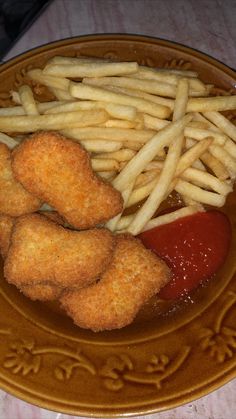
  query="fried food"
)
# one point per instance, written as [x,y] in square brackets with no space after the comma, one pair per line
[14,199]
[6,224]
[133,277]
[42,292]
[58,171]
[53,216]
[44,253]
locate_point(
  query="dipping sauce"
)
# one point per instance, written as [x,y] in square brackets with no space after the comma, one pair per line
[194,247]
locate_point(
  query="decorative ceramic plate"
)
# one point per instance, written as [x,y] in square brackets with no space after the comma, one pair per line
[171,354]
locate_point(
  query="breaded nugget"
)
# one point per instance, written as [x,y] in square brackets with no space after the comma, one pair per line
[58,171]
[133,277]
[15,200]
[42,252]
[42,292]
[6,224]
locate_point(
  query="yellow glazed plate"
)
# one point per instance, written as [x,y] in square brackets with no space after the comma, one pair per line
[172,353]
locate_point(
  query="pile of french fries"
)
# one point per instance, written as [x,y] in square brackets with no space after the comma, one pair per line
[149,132]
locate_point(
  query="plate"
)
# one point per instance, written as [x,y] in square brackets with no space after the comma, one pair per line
[171,354]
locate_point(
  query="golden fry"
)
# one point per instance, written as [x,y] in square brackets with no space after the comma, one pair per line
[85,91]
[34,123]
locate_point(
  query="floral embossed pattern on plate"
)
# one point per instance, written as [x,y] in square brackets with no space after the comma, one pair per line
[171,354]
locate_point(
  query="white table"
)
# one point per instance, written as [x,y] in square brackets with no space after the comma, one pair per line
[207,25]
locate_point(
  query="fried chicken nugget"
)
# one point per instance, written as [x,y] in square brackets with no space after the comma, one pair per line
[58,171]
[44,253]
[42,292]
[15,200]
[133,277]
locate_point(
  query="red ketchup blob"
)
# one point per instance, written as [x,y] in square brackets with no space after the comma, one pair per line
[194,247]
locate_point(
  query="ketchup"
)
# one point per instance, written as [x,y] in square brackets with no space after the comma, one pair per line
[194,247]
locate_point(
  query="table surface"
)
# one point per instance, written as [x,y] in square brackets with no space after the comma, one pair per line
[207,25]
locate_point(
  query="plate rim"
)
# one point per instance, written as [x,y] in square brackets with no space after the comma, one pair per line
[117,36]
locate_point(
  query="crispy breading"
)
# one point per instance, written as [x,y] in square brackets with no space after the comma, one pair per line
[6,224]
[53,216]
[133,277]
[58,171]
[43,252]
[15,200]
[42,292]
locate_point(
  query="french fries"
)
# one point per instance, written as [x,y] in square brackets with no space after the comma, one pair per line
[167,77]
[215,165]
[189,131]
[230,147]
[101,146]
[163,182]
[58,59]
[138,194]
[103,133]
[91,69]
[148,85]
[122,155]
[223,123]
[200,195]
[61,94]
[111,224]
[140,94]
[9,141]
[19,110]
[162,219]
[209,104]
[85,91]
[149,132]
[206,180]
[118,123]
[224,157]
[33,123]
[192,155]
[114,110]
[104,165]
[148,152]
[49,81]
[27,100]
